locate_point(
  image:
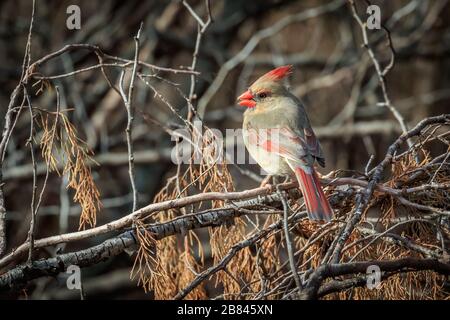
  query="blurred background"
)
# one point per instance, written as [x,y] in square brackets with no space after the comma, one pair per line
[334,77]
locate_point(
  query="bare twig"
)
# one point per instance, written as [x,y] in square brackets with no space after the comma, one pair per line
[9,126]
[381,72]
[363,199]
[128,220]
[288,240]
[128,101]
[30,142]
[400,265]
[202,26]
[231,253]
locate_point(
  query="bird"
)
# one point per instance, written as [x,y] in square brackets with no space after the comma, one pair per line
[278,135]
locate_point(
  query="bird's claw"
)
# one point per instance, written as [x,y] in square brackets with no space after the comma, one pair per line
[265,183]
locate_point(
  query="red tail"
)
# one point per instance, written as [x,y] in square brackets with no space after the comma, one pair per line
[316,203]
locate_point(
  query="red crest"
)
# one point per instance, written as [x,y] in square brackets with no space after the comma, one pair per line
[278,73]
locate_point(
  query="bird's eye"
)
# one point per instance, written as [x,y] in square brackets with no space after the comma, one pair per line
[262,95]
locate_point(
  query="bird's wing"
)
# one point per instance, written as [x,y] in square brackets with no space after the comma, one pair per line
[299,123]
[313,146]
[286,143]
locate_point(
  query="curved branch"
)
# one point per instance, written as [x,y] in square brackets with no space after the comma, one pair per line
[399,265]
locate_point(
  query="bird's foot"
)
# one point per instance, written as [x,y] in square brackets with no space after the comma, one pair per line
[325,176]
[266,182]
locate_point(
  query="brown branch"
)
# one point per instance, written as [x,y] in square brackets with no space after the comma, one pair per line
[363,199]
[401,265]
[288,240]
[231,253]
[9,126]
[98,51]
[30,142]
[202,26]
[19,275]
[127,221]
[381,73]
[128,102]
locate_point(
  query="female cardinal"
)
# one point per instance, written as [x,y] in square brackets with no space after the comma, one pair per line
[278,135]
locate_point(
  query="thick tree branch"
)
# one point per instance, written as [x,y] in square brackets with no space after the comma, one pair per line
[112,247]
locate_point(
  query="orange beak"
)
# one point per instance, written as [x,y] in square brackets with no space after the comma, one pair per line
[246,100]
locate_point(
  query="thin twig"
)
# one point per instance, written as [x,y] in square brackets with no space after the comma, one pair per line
[30,142]
[288,240]
[128,101]
[9,127]
[363,199]
[381,72]
[202,26]
[224,261]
